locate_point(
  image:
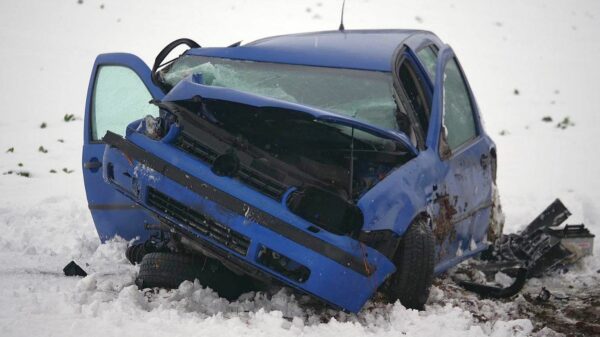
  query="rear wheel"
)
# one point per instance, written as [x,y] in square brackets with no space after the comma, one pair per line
[414,261]
[169,270]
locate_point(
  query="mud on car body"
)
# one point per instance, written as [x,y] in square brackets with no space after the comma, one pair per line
[338,163]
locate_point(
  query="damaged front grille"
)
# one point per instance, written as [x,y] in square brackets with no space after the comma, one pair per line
[248,175]
[261,183]
[196,149]
[208,227]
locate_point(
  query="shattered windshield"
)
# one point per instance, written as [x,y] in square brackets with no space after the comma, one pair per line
[361,94]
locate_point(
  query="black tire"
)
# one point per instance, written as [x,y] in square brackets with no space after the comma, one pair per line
[135,253]
[169,270]
[414,261]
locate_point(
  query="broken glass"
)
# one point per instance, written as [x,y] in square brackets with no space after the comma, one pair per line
[361,94]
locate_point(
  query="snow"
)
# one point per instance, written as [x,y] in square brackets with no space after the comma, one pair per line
[544,51]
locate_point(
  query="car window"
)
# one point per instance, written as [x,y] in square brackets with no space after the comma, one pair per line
[458,110]
[411,84]
[428,57]
[361,94]
[119,98]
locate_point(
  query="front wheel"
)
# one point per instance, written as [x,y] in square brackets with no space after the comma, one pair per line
[168,270]
[414,261]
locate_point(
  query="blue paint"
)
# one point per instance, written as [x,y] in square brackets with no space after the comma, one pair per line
[123,221]
[323,270]
[352,49]
[418,188]
[451,262]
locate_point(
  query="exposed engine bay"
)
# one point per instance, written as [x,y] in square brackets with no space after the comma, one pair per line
[319,169]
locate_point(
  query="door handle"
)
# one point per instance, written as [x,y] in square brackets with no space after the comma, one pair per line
[92,164]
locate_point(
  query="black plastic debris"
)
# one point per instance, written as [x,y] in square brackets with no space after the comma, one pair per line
[544,295]
[540,248]
[73,269]
[488,291]
[552,216]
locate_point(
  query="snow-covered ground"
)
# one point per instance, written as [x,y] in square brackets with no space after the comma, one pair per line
[546,52]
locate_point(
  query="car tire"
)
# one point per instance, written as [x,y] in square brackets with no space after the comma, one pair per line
[169,270]
[136,252]
[414,260]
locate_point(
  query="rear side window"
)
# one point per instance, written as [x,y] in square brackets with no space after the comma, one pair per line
[458,108]
[428,57]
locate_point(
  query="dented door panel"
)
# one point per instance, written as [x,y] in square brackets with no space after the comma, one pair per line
[461,204]
[463,195]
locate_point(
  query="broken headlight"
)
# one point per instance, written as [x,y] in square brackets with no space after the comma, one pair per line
[153,127]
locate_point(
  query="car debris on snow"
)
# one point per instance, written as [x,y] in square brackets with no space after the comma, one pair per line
[540,248]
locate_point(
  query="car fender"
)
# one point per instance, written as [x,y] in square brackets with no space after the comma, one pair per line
[402,196]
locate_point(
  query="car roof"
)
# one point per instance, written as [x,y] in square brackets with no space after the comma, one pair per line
[354,49]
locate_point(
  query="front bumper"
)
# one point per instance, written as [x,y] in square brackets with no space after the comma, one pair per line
[240,224]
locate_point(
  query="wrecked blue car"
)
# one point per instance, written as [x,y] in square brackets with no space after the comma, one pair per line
[337,163]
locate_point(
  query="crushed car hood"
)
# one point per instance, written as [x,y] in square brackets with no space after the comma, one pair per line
[192,86]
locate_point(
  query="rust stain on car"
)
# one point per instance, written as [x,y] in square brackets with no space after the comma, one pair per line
[443,222]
